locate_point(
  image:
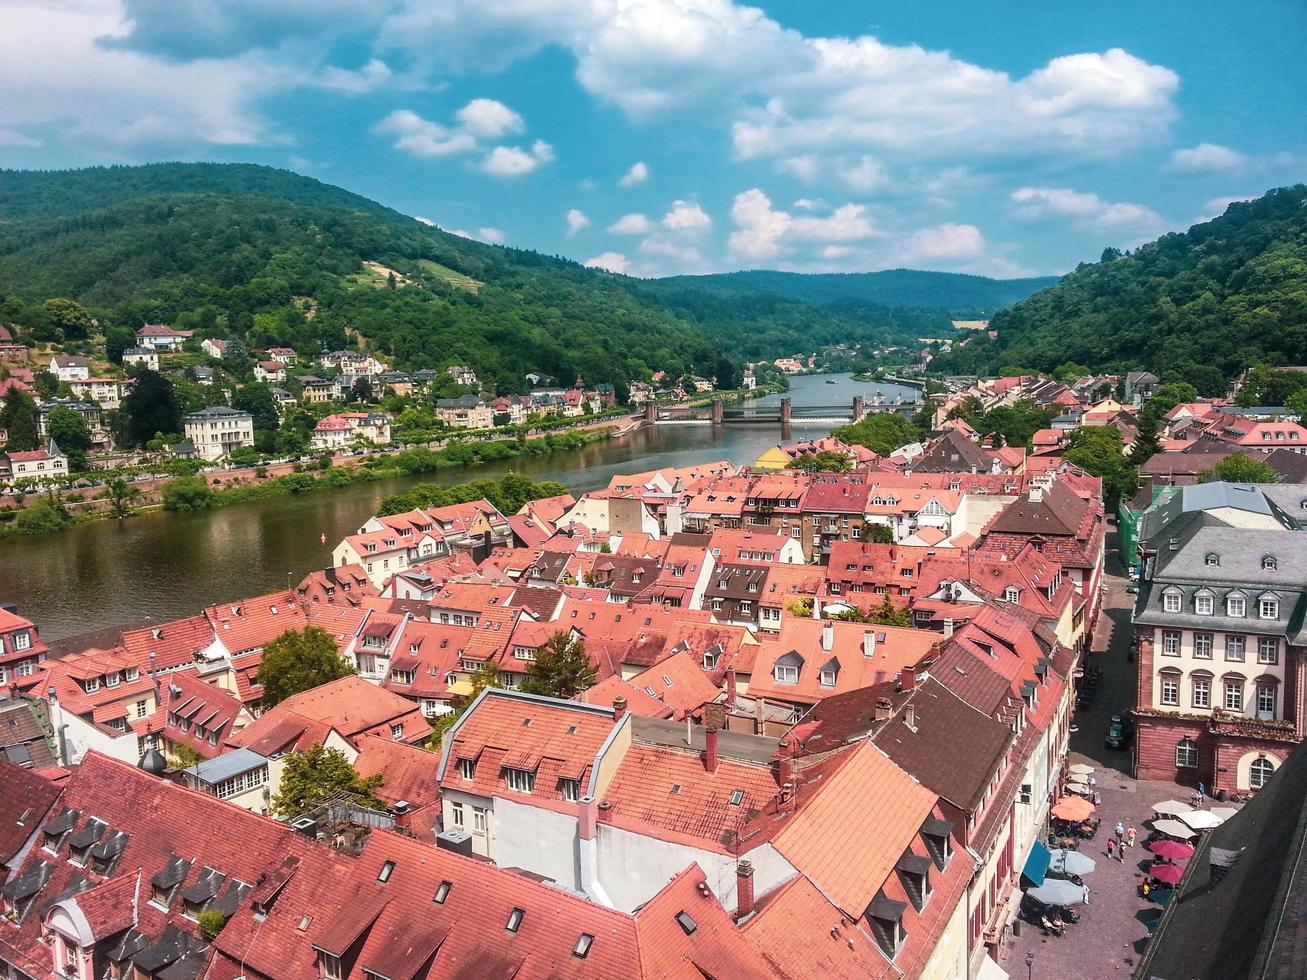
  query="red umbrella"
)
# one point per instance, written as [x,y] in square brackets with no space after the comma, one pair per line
[1168,873]
[1172,850]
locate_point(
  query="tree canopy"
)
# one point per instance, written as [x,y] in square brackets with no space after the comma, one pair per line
[561,668]
[1239,469]
[300,660]
[320,774]
[882,432]
[150,408]
[822,462]
[69,431]
[18,418]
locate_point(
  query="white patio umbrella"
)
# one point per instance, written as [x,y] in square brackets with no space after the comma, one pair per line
[1080,769]
[1071,862]
[1224,812]
[1173,828]
[1055,891]
[1201,819]
[1173,807]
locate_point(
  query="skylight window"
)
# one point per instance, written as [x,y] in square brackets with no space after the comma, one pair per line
[687,924]
[442,892]
[386,871]
[582,947]
[514,920]
[737,797]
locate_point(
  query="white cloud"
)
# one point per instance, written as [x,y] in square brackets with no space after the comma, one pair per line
[489,119]
[686,216]
[609,261]
[947,241]
[805,168]
[484,234]
[369,78]
[1207,156]
[1086,208]
[862,175]
[631,224]
[763,232]
[845,224]
[576,220]
[513,161]
[638,174]
[1217,205]
[424,138]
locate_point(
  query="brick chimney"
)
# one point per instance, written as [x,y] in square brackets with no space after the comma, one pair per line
[907,679]
[730,687]
[588,818]
[784,762]
[710,749]
[884,708]
[743,889]
[619,708]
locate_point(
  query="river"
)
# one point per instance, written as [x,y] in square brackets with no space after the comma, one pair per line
[160,566]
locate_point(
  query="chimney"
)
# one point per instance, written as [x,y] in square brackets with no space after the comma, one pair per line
[402,814]
[785,762]
[710,749]
[730,687]
[743,890]
[869,643]
[907,679]
[884,708]
[588,818]
[619,708]
[827,635]
[910,717]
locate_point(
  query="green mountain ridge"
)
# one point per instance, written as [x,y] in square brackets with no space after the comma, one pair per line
[1196,306]
[890,288]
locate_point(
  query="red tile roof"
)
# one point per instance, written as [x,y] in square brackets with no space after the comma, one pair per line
[186,699]
[23,806]
[409,771]
[249,624]
[350,706]
[679,682]
[173,644]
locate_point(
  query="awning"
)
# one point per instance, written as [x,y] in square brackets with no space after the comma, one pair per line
[989,970]
[1036,864]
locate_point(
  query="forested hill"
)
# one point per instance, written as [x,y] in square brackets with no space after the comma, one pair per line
[1198,306]
[278,259]
[890,288]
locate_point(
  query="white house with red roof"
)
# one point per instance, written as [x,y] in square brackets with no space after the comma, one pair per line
[162,337]
[22,651]
[69,367]
[48,464]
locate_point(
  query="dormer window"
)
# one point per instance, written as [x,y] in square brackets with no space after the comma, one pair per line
[1212,560]
[133,674]
[521,780]
[1268,607]
[786,674]
[914,875]
[1203,604]
[885,916]
[467,768]
[1011,594]
[1236,606]
[92,684]
[1171,601]
[828,675]
[1268,564]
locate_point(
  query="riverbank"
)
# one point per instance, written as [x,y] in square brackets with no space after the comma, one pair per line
[51,513]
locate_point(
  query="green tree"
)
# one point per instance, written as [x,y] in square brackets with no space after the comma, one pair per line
[236,358]
[73,320]
[561,668]
[187,493]
[1239,469]
[1098,451]
[69,430]
[299,660]
[887,615]
[1297,404]
[1167,397]
[822,462]
[184,756]
[117,340]
[42,517]
[211,922]
[18,418]
[1146,444]
[256,398]
[320,774]
[1070,372]
[878,533]
[151,407]
[120,493]
[882,433]
[46,384]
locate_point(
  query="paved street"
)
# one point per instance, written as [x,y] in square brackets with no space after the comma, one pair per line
[1111,934]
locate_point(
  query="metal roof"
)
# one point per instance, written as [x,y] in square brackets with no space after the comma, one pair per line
[226,766]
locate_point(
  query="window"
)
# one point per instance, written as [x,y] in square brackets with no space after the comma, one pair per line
[828,677]
[22,640]
[1268,564]
[442,892]
[1170,689]
[92,685]
[1203,605]
[514,920]
[1212,561]
[582,947]
[1233,695]
[1265,701]
[1234,647]
[456,814]
[1171,602]
[330,965]
[1186,754]
[737,797]
[140,708]
[1203,646]
[1260,771]
[571,789]
[687,923]
[1268,608]
[1171,644]
[709,661]
[467,768]
[112,680]
[787,674]
[1268,650]
[1011,594]
[1202,692]
[1236,606]
[386,871]
[479,819]
[26,669]
[520,780]
[397,732]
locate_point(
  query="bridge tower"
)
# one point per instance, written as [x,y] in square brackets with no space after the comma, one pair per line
[787,411]
[857,408]
[651,412]
[718,411]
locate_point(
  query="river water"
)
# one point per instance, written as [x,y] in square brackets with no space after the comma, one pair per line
[160,566]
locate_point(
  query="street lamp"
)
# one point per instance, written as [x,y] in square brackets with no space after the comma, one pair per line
[1030,964]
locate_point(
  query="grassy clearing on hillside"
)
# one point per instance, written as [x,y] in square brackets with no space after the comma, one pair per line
[449,275]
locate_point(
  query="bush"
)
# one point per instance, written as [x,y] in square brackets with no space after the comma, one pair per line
[43,517]
[211,922]
[187,493]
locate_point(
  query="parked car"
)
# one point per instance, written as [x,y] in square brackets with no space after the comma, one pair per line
[1126,719]
[1116,737]
[1132,589]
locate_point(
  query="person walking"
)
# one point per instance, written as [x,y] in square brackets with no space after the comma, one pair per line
[1130,836]
[1110,844]
[1202,793]
[1086,888]
[1120,830]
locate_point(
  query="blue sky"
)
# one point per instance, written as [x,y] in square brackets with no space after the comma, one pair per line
[666,136]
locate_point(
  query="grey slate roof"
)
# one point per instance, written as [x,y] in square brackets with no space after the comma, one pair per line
[227,765]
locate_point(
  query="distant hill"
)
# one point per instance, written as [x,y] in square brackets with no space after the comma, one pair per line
[1197,306]
[891,288]
[281,259]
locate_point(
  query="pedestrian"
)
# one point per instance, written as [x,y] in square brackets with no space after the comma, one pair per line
[1202,793]
[1147,888]
[1110,844]
[1120,830]
[1120,852]
[1086,888]
[1130,836]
